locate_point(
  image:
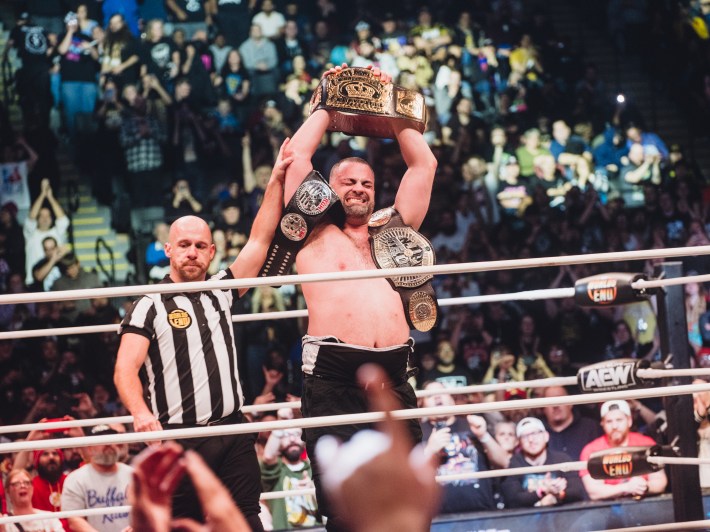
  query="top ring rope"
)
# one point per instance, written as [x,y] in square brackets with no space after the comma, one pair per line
[466,267]
[348,419]
[475,388]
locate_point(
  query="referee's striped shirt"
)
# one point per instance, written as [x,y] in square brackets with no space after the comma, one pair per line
[190,375]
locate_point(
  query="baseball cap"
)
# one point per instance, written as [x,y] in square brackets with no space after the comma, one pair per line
[100,430]
[529,425]
[361,26]
[615,405]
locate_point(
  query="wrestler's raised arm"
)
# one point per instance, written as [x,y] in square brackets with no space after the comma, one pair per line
[414,193]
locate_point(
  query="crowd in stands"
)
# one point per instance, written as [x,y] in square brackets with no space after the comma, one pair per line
[183,104]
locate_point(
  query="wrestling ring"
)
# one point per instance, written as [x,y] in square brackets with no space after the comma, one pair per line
[594,291]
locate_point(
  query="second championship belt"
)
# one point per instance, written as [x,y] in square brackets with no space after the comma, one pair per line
[396,245]
[309,204]
[358,103]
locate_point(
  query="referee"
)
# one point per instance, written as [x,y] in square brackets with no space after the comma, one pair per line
[177,363]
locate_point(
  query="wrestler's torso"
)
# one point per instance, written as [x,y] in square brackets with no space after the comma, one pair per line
[365,312]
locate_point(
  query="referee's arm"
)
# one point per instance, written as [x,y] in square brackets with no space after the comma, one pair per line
[252,257]
[131,355]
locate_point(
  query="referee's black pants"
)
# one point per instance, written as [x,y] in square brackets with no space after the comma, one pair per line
[233,460]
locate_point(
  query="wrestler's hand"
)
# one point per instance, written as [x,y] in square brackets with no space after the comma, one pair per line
[378,484]
[384,76]
[156,473]
[335,70]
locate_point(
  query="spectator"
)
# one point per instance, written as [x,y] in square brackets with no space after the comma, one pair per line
[220,49]
[651,143]
[141,137]
[233,19]
[35,49]
[160,55]
[284,467]
[14,240]
[270,21]
[101,483]
[290,45]
[568,431]
[640,167]
[18,487]
[39,225]
[430,37]
[181,202]
[447,371]
[572,152]
[548,489]
[616,422]
[261,61]
[121,58]
[190,15]
[623,345]
[504,433]
[156,261]
[528,155]
[79,66]
[46,270]
[462,445]
[74,277]
[235,83]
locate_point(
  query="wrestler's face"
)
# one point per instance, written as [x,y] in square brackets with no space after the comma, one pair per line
[355,185]
[616,426]
[190,249]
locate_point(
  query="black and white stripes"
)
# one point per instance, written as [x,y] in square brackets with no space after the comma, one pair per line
[190,376]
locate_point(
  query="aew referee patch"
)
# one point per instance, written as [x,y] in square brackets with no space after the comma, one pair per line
[179,319]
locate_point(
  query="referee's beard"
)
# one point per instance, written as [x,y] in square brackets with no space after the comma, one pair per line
[191,272]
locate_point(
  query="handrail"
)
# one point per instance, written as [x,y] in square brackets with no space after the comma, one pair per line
[72,207]
[111,276]
[8,81]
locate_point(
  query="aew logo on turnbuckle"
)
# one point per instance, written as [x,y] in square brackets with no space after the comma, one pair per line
[608,376]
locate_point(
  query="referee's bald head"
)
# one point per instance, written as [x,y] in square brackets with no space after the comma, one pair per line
[189,224]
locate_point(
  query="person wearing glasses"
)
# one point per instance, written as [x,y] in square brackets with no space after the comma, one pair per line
[18,487]
[539,489]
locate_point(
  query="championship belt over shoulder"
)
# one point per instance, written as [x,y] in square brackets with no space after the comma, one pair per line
[360,104]
[309,204]
[396,245]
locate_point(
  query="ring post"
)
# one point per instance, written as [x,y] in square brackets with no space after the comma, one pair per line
[672,323]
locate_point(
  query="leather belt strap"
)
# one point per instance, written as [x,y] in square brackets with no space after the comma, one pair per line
[396,245]
[360,104]
[309,204]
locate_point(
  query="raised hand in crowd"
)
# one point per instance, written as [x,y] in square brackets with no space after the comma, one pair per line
[375,479]
[157,473]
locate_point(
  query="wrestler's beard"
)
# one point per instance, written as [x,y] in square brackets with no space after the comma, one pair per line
[358,211]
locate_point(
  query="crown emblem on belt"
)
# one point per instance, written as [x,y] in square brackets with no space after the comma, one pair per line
[359,89]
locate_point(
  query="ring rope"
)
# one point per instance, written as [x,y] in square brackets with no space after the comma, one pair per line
[441,479]
[688,525]
[466,267]
[349,419]
[528,295]
[460,390]
[525,295]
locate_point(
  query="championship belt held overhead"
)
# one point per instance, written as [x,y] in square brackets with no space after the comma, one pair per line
[360,104]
